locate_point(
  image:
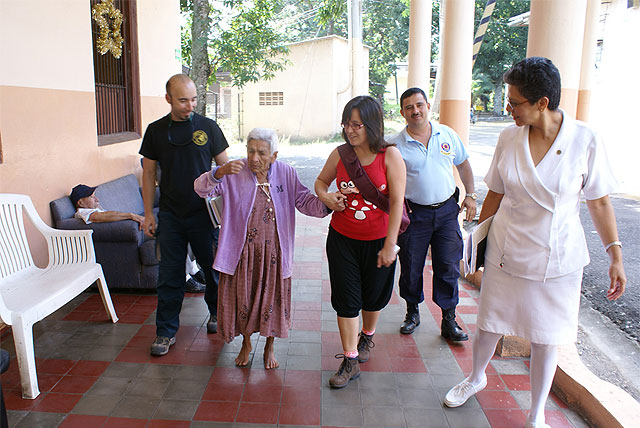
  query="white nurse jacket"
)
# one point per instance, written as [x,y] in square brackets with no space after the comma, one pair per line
[536,232]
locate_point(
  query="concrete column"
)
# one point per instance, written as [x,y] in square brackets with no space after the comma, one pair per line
[556,31]
[455,66]
[588,59]
[419,45]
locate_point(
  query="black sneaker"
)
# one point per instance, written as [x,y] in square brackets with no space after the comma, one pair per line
[212,324]
[199,276]
[194,286]
[161,344]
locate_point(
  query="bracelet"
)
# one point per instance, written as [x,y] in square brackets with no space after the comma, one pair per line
[611,244]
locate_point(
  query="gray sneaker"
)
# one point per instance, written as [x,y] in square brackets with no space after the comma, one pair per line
[161,344]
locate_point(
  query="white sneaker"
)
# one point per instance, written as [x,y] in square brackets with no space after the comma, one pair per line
[459,394]
[530,424]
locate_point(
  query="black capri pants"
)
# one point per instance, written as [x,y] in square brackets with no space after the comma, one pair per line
[356,282]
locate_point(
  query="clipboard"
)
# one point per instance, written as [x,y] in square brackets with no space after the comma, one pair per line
[475,247]
[214,208]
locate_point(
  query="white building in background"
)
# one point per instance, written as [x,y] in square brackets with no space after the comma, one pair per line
[305,100]
[616,93]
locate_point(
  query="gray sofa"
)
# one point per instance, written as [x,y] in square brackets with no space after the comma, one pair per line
[128,258]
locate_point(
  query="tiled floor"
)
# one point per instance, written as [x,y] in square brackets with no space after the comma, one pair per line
[96,374]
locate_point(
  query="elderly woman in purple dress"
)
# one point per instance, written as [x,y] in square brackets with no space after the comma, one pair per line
[255,249]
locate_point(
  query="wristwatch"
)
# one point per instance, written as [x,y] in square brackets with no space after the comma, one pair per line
[473,195]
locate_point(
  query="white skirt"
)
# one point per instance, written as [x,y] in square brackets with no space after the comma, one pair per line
[541,312]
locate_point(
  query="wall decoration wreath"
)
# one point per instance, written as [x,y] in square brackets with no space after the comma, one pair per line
[110,38]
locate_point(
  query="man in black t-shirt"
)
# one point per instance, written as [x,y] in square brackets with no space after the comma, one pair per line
[184,144]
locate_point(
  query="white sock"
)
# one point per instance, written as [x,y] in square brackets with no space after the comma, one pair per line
[187,269]
[191,267]
[484,346]
[544,360]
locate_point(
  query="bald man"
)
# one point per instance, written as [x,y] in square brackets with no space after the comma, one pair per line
[184,144]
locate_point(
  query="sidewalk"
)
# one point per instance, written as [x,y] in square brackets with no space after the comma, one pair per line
[96,374]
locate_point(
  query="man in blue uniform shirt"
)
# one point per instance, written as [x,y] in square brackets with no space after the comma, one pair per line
[183,144]
[430,151]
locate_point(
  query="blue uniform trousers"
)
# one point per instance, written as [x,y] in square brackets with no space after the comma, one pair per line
[173,235]
[439,228]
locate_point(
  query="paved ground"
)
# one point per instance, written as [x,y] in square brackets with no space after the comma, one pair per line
[93,373]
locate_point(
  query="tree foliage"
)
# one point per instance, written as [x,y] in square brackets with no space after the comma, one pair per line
[308,19]
[386,31]
[251,48]
[502,46]
[332,16]
[242,38]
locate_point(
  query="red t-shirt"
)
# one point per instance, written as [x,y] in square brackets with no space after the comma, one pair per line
[362,219]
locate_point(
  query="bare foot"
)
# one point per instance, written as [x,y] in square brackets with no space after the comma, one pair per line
[270,361]
[245,352]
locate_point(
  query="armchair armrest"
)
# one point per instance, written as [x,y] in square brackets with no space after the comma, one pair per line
[117,231]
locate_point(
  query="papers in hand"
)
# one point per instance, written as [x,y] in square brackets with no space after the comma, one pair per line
[214,207]
[475,246]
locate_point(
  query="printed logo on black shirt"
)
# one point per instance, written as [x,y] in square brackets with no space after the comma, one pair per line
[200,137]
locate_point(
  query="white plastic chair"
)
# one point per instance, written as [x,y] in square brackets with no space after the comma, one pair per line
[28,294]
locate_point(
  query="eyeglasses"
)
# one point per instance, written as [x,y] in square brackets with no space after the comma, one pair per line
[514,105]
[352,125]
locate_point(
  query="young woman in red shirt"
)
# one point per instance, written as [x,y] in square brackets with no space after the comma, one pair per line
[361,243]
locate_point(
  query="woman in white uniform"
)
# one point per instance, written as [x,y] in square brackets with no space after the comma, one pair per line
[536,248]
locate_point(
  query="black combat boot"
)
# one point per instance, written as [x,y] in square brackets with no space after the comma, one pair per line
[450,328]
[411,320]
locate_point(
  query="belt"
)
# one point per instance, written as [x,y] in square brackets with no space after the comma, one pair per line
[438,205]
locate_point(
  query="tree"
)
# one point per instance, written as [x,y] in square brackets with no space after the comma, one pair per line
[332,16]
[200,66]
[481,90]
[308,19]
[502,47]
[237,36]
[386,30]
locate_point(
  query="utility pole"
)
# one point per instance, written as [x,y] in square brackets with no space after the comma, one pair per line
[359,82]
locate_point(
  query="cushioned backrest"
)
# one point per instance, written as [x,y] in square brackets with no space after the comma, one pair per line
[121,194]
[61,209]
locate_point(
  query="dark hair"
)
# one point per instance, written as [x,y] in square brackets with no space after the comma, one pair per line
[372,119]
[412,91]
[536,77]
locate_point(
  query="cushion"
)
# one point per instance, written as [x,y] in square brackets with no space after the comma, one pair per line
[121,194]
